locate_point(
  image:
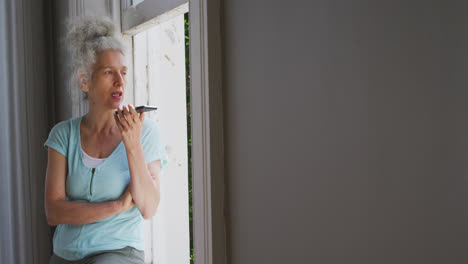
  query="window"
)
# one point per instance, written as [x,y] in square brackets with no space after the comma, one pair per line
[158,77]
[209,225]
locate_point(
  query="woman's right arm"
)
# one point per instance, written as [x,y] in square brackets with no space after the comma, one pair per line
[60,211]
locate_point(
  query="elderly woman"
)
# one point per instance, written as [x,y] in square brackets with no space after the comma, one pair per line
[103,167]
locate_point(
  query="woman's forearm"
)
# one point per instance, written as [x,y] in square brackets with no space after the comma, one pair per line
[145,191]
[80,213]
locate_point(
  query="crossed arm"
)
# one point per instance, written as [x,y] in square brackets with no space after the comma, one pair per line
[60,211]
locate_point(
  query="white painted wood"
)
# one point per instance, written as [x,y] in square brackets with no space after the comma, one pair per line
[147,14]
[166,53]
[129,93]
[209,204]
[140,83]
[140,59]
[160,53]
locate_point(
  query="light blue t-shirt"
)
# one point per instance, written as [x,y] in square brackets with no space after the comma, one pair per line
[106,182]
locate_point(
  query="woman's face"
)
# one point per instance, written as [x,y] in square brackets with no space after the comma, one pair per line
[108,82]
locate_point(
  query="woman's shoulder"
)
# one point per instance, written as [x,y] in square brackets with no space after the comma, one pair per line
[65,125]
[149,124]
[60,136]
[150,128]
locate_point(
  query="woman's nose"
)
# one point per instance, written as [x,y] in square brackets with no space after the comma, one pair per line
[119,79]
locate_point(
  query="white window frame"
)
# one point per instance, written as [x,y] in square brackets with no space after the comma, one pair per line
[209,203]
[208,190]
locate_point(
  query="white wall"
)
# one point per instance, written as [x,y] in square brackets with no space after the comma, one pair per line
[345,131]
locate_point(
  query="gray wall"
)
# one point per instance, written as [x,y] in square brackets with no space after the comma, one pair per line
[345,126]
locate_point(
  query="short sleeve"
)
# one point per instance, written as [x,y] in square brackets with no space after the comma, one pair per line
[58,138]
[153,146]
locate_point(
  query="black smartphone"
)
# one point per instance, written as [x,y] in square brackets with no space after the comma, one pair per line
[144,108]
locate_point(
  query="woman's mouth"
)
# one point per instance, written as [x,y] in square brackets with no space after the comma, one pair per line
[117,95]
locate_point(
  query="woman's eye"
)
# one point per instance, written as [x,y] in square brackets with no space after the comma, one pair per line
[108,72]
[124,73]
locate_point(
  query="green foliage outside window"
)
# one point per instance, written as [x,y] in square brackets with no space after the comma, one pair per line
[189,132]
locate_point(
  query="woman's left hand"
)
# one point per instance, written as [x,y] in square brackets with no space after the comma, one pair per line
[130,124]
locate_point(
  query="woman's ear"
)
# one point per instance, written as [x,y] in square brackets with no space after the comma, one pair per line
[83,81]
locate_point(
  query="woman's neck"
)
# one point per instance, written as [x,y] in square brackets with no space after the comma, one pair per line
[100,121]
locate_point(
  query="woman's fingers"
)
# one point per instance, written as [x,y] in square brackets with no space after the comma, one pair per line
[122,119]
[131,114]
[133,111]
[126,113]
[117,121]
[136,117]
[128,118]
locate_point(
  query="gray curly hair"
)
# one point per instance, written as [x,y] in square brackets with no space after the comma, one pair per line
[86,37]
